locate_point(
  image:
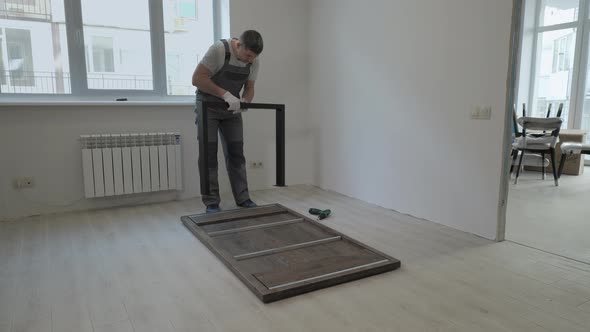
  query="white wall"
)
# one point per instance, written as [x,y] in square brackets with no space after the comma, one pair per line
[42,141]
[283,78]
[392,84]
[378,98]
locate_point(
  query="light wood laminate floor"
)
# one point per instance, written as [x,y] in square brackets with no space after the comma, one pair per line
[138,269]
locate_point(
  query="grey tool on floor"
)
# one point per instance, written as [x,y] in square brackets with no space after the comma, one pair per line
[322,214]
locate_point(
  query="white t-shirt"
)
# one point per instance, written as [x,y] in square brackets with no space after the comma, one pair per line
[214,60]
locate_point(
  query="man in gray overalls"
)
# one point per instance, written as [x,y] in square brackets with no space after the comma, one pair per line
[228,67]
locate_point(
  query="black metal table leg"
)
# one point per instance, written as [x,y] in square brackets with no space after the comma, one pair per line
[204,140]
[203,149]
[280,146]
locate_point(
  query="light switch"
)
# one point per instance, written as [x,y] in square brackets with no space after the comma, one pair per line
[481,112]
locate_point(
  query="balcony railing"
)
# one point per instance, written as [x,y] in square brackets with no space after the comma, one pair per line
[26,9]
[34,82]
[109,81]
[37,82]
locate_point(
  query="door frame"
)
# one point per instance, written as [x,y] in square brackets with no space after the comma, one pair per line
[516,35]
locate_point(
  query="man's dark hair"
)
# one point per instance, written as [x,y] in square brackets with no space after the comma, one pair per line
[252,40]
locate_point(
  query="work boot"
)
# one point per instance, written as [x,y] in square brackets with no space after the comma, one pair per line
[248,204]
[213,208]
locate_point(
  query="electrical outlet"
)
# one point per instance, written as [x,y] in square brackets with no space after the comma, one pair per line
[24,182]
[256,164]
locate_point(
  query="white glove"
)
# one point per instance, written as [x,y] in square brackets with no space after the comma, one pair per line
[241,109]
[233,102]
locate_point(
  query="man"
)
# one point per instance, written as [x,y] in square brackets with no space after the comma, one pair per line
[228,67]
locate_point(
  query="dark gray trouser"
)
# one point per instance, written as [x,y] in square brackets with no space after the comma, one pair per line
[231,131]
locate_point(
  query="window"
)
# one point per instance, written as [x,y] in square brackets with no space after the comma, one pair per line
[555,57]
[125,48]
[555,12]
[561,60]
[103,58]
[119,45]
[187,8]
[563,53]
[33,47]
[20,57]
[554,73]
[186,41]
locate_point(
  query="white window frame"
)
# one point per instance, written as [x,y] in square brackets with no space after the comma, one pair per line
[561,54]
[584,51]
[581,54]
[77,58]
[2,57]
[578,26]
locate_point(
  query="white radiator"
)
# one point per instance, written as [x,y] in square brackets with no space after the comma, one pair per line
[122,164]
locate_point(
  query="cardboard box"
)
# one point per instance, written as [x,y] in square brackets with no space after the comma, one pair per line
[574,165]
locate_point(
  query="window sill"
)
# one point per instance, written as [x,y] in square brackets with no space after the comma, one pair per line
[40,103]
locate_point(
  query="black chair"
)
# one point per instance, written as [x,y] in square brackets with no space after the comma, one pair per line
[543,145]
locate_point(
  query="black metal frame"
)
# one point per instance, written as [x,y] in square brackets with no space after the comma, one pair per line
[204,139]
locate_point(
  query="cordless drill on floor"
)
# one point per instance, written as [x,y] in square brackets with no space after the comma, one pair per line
[322,214]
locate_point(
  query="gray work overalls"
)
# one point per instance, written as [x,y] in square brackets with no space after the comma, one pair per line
[231,78]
